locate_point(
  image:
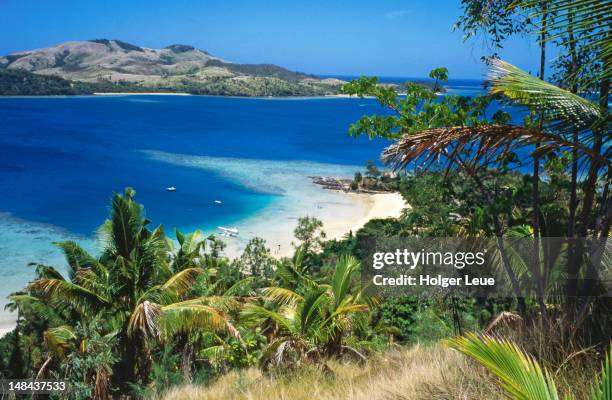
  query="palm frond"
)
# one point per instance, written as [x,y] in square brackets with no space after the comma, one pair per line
[66,293]
[182,281]
[88,279]
[567,111]
[587,18]
[227,304]
[76,256]
[57,340]
[216,354]
[257,313]
[282,295]
[23,298]
[240,287]
[47,271]
[190,317]
[520,375]
[313,307]
[126,223]
[144,319]
[341,280]
[602,389]
[473,147]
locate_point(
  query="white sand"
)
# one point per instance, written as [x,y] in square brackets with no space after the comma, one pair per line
[142,93]
[381,205]
[340,213]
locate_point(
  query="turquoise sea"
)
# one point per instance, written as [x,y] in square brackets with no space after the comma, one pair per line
[61,158]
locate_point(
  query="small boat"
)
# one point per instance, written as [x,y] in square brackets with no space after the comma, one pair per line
[228,231]
[171,189]
[218,202]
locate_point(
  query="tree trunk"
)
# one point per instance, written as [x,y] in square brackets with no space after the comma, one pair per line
[571,286]
[590,189]
[186,353]
[499,240]
[538,272]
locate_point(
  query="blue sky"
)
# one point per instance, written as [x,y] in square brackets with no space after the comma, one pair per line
[386,38]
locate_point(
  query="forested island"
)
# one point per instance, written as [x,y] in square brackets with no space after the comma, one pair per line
[112,66]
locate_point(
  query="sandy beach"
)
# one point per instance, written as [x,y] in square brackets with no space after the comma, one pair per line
[380,205]
[340,213]
[142,93]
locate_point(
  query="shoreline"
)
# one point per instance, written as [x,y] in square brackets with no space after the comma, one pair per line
[344,212]
[141,93]
[380,206]
[339,218]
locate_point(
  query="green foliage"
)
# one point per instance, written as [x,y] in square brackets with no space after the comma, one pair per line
[309,233]
[15,82]
[313,322]
[496,19]
[371,170]
[257,261]
[520,375]
[23,83]
[15,362]
[265,70]
[440,75]
[88,369]
[602,388]
[165,374]
[231,353]
[418,110]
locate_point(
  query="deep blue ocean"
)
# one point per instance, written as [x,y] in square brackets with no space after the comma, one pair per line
[61,158]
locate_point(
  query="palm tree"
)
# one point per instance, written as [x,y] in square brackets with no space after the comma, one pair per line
[135,286]
[474,147]
[305,327]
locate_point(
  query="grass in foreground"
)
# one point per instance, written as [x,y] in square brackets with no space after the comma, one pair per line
[421,372]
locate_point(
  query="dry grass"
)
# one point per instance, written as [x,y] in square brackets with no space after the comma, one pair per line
[416,373]
[572,364]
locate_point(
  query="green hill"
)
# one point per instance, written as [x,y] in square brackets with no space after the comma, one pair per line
[104,65]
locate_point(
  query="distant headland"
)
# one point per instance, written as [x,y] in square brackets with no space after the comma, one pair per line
[114,66]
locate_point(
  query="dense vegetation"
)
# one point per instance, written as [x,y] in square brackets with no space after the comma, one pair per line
[149,313]
[22,83]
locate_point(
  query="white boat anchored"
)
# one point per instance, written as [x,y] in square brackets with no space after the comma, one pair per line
[218,202]
[171,189]
[228,232]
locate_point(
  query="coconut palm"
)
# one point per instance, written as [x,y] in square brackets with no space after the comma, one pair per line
[134,286]
[307,326]
[589,19]
[292,272]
